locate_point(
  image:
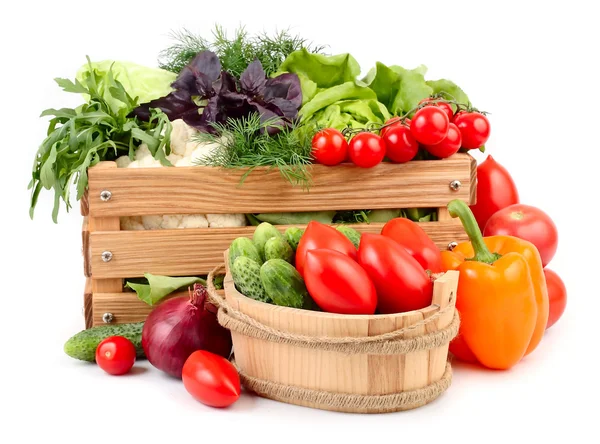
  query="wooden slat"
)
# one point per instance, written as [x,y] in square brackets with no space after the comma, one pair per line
[84,206]
[201,190]
[196,251]
[473,182]
[87,303]
[85,248]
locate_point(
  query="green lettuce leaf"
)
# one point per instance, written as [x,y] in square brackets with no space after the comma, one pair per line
[160,286]
[324,98]
[351,113]
[448,87]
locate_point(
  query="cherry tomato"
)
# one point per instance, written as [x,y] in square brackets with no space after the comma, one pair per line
[400,145]
[557,296]
[115,355]
[211,379]
[444,106]
[495,190]
[401,282]
[338,284]
[366,150]
[474,129]
[448,146]
[329,147]
[429,125]
[394,122]
[318,235]
[526,222]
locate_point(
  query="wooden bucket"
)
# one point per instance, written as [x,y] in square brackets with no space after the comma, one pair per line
[341,373]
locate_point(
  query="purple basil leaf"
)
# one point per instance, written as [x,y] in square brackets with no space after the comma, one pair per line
[253,79]
[283,107]
[207,63]
[285,86]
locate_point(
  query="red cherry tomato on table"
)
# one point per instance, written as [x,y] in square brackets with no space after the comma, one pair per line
[474,129]
[115,355]
[318,235]
[528,223]
[393,123]
[402,284]
[329,147]
[429,125]
[366,150]
[557,296]
[338,284]
[444,106]
[211,379]
[400,145]
[448,146]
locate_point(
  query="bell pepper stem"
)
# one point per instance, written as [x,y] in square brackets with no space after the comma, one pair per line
[457,208]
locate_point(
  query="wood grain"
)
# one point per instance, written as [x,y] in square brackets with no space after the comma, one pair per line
[88,312]
[85,248]
[201,190]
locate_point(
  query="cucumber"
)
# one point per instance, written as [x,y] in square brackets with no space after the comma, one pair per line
[293,235]
[243,246]
[262,234]
[283,284]
[278,248]
[350,233]
[83,345]
[246,276]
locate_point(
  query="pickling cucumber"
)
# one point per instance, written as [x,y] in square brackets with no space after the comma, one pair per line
[293,235]
[262,234]
[246,276]
[243,246]
[83,345]
[278,248]
[350,233]
[284,284]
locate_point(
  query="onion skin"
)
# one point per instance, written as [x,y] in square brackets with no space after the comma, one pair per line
[178,327]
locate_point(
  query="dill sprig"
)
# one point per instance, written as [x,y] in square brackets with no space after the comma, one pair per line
[245,143]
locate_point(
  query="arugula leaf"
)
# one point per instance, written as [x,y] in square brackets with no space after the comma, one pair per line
[69,86]
[160,286]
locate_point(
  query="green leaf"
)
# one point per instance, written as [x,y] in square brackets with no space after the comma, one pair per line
[325,217]
[69,86]
[346,91]
[63,112]
[160,286]
[47,175]
[385,82]
[449,90]
[482,148]
[411,90]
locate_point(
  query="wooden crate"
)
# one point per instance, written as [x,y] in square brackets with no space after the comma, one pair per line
[202,190]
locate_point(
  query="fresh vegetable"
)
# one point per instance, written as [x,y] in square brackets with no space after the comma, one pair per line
[350,233]
[429,125]
[116,355]
[366,150]
[400,145]
[401,282]
[278,248]
[329,147]
[338,284]
[415,241]
[526,222]
[83,345]
[318,235]
[179,326]
[242,246]
[293,236]
[211,379]
[474,128]
[302,217]
[283,284]
[246,276]
[449,144]
[160,286]
[502,295]
[444,106]
[262,233]
[557,296]
[495,190]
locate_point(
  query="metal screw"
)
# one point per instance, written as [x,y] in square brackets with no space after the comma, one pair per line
[455,185]
[105,195]
[452,245]
[107,318]
[106,256]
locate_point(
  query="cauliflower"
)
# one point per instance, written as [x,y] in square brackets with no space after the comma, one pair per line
[184,152]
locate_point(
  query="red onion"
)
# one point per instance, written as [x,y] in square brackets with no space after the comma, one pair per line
[178,327]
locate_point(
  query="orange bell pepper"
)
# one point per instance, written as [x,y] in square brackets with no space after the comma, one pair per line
[502,295]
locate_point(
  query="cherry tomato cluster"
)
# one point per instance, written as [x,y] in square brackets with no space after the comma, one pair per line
[434,128]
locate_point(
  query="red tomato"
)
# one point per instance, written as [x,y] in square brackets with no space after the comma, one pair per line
[429,125]
[318,235]
[115,355]
[474,129]
[394,122]
[448,146]
[400,145]
[526,222]
[211,379]
[329,147]
[366,150]
[495,190]
[444,106]
[410,236]
[557,296]
[402,284]
[338,284]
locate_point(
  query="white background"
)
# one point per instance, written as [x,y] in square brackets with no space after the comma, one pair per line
[534,67]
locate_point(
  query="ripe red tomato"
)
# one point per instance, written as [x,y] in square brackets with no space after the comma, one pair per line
[211,379]
[115,355]
[402,284]
[557,296]
[400,145]
[366,150]
[329,147]
[444,106]
[448,146]
[474,129]
[394,122]
[495,190]
[338,284]
[429,125]
[526,222]
[318,235]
